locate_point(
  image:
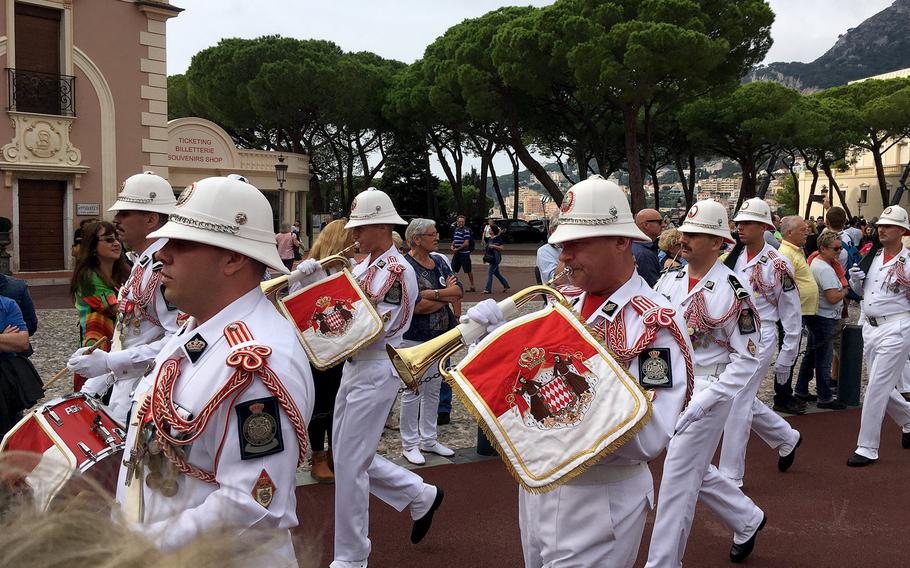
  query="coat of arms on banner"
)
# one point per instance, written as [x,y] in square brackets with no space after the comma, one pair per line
[553,389]
[333,316]
[549,396]
[333,319]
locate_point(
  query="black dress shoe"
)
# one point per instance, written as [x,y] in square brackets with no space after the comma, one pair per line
[792,406]
[784,462]
[422,525]
[832,405]
[443,418]
[805,397]
[857,460]
[905,440]
[739,552]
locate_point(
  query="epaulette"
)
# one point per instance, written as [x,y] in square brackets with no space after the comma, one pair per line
[738,288]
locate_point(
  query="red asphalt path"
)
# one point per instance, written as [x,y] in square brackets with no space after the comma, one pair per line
[820,513]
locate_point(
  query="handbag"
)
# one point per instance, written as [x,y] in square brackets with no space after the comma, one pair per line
[489,257]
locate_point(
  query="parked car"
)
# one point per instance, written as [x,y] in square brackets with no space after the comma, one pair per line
[519,231]
[539,224]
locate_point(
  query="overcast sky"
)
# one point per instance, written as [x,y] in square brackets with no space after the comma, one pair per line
[402,29]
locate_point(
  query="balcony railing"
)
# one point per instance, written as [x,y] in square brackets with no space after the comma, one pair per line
[45,93]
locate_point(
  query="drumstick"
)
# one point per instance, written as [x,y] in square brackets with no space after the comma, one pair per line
[62,372]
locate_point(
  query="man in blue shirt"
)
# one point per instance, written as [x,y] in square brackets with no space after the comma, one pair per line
[650,223]
[462,242]
[17,290]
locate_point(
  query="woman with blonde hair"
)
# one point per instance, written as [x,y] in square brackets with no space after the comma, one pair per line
[669,245]
[331,240]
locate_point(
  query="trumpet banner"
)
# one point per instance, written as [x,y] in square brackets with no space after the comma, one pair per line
[550,397]
[333,319]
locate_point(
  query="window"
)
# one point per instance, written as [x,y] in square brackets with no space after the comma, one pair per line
[35,84]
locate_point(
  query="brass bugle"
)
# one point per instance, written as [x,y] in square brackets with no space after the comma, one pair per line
[272,286]
[412,362]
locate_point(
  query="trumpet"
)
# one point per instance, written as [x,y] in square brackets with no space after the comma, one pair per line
[272,287]
[412,362]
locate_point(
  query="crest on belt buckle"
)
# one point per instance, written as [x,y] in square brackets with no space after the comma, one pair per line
[264,489]
[751,347]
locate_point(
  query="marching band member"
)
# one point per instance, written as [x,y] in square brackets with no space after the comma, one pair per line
[218,427]
[886,315]
[369,387]
[145,319]
[770,275]
[565,527]
[724,326]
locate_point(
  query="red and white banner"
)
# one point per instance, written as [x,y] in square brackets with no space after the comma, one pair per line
[333,319]
[550,397]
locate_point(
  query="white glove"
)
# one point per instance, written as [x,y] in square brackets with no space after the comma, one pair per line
[856,278]
[97,386]
[485,313]
[692,414]
[781,376]
[90,365]
[307,272]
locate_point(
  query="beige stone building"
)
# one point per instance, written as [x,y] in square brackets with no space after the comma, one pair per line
[860,183]
[86,109]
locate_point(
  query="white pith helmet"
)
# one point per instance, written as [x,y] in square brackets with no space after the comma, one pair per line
[755,209]
[894,215]
[595,207]
[373,207]
[225,213]
[145,192]
[707,217]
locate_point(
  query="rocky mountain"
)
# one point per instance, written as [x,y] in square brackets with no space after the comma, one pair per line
[878,45]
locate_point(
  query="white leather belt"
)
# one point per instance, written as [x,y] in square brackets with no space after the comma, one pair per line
[371,355]
[709,370]
[876,321]
[601,474]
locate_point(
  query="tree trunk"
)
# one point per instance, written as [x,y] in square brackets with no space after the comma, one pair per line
[533,165]
[582,163]
[655,183]
[809,198]
[480,204]
[316,195]
[636,183]
[515,184]
[880,174]
[826,166]
[747,187]
[498,192]
[763,190]
[454,177]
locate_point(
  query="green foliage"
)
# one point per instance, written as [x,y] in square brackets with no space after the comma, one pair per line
[407,179]
[787,198]
[448,210]
[177,104]
[746,124]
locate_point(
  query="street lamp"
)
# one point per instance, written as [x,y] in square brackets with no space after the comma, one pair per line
[281,174]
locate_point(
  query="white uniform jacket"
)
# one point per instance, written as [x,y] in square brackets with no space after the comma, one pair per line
[228,446]
[886,289]
[390,282]
[669,398]
[138,345]
[770,275]
[724,329]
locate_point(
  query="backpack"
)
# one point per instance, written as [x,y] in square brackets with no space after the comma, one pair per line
[853,259]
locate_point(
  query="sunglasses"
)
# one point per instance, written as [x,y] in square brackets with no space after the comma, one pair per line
[110,239]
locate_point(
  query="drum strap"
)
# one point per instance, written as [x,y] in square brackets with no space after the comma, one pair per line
[248,360]
[133,505]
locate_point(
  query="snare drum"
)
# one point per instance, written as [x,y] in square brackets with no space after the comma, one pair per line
[62,436]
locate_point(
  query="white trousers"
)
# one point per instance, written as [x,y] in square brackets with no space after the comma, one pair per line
[581,525]
[885,349]
[904,384]
[368,389]
[688,475]
[748,413]
[417,420]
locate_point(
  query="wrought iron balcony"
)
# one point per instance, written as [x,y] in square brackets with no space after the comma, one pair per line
[45,93]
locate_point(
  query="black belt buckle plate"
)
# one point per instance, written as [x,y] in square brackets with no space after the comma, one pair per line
[872,321]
